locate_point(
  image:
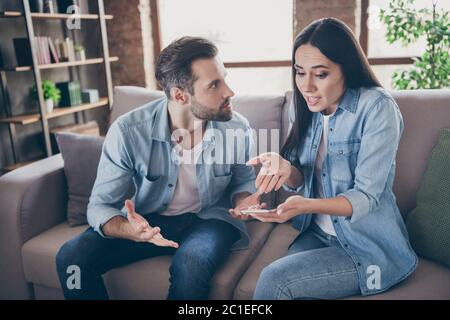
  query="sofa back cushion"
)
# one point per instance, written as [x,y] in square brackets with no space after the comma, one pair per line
[127,98]
[424,112]
[263,111]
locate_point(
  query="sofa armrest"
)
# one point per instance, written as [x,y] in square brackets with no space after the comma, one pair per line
[32,200]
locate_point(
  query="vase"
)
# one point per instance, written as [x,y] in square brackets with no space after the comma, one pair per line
[80,55]
[49,105]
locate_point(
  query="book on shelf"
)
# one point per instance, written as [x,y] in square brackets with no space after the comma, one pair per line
[70,49]
[70,93]
[23,51]
[65,6]
[53,51]
[47,50]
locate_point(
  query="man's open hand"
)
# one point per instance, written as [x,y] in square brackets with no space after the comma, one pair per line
[141,231]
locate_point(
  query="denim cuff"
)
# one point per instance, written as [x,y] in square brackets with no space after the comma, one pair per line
[100,216]
[294,190]
[360,204]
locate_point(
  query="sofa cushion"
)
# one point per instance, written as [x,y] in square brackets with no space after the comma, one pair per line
[81,155]
[135,281]
[127,98]
[429,223]
[429,281]
[424,113]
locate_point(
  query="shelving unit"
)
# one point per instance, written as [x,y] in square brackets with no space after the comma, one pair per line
[42,116]
[38,15]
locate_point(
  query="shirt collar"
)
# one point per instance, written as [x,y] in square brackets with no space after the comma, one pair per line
[161,131]
[349,101]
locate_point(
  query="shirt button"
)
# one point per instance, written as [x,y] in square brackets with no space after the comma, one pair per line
[324,174]
[315,146]
[345,245]
[170,185]
[331,129]
[335,221]
[359,264]
[341,152]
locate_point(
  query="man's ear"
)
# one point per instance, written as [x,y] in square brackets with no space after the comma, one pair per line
[179,96]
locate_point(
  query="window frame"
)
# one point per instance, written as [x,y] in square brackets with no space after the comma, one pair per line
[364,41]
[157,45]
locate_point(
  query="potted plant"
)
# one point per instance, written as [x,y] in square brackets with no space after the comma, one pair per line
[406,24]
[80,53]
[52,95]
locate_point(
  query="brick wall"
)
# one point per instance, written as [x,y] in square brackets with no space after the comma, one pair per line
[125,41]
[307,11]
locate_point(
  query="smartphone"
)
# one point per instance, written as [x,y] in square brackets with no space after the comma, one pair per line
[256,211]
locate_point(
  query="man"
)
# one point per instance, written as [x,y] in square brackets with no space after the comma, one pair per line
[165,154]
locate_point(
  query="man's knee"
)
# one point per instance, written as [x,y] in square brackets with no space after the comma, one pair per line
[75,252]
[193,261]
[67,255]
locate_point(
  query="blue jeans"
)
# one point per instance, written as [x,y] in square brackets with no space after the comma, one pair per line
[204,245]
[315,267]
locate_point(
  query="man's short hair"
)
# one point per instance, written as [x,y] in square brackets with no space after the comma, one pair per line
[173,68]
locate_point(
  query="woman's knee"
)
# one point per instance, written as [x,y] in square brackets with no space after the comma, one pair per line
[270,282]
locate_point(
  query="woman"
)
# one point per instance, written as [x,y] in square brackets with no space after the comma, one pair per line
[340,160]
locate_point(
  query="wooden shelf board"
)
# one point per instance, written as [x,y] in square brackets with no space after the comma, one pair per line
[17,69]
[38,15]
[60,65]
[57,112]
[70,63]
[10,14]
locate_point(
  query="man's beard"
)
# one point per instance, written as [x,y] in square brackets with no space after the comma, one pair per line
[203,113]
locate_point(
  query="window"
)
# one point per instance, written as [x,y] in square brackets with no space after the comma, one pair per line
[384,57]
[254,38]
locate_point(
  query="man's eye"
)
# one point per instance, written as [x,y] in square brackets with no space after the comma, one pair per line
[322,75]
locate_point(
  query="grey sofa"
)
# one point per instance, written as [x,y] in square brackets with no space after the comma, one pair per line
[33,202]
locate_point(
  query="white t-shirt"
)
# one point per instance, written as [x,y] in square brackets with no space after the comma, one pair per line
[186,197]
[324,221]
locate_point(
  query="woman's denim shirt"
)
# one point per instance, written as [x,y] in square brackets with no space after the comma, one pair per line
[363,138]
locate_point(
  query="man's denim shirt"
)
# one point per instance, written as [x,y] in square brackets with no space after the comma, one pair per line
[363,138]
[139,162]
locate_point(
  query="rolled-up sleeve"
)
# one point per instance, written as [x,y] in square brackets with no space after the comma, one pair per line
[114,177]
[379,143]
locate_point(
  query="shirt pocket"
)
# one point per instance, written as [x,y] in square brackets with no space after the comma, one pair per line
[150,188]
[343,156]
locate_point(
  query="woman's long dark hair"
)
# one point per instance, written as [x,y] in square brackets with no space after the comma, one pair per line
[335,41]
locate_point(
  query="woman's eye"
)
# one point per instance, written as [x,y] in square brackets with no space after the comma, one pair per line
[322,75]
[299,73]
